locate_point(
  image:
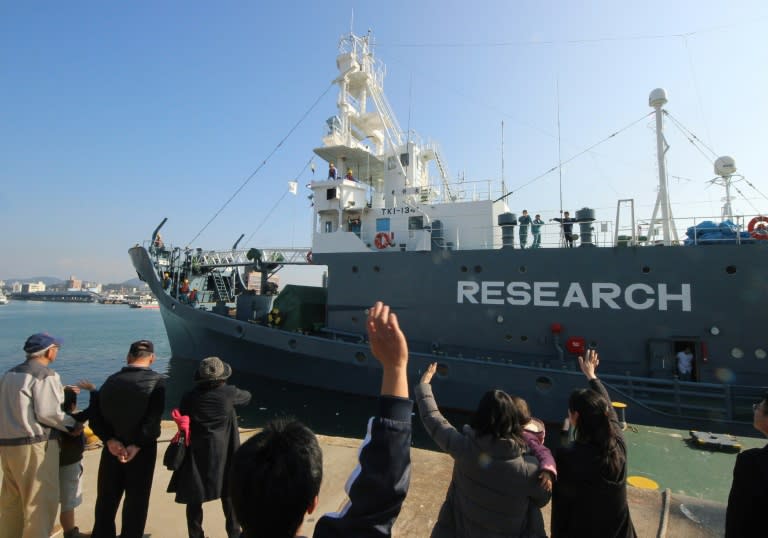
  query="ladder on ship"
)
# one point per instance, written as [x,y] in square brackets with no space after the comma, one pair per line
[625,233]
[221,287]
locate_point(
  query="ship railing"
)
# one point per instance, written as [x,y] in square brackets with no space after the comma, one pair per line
[689,398]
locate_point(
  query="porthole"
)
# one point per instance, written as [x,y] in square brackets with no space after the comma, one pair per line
[360,357]
[442,370]
[646,269]
[239,330]
[731,269]
[499,319]
[376,269]
[760,353]
[508,337]
[478,269]
[523,338]
[737,353]
[463,269]
[292,343]
[543,384]
[354,269]
[522,269]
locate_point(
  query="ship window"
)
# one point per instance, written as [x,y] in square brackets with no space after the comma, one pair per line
[391,163]
[478,269]
[376,268]
[523,338]
[416,223]
[354,268]
[328,226]
[543,384]
[731,269]
[737,353]
[382,225]
[464,269]
[522,269]
[330,194]
[405,159]
[646,269]
[508,337]
[760,353]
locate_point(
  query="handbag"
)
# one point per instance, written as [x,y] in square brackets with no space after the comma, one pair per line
[176,452]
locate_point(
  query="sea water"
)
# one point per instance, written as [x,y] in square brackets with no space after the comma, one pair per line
[96,341]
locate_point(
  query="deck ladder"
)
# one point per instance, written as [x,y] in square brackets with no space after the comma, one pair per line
[221,287]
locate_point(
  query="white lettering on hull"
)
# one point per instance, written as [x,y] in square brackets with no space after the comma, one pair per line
[608,295]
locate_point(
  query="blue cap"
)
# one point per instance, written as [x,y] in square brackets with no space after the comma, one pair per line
[41,341]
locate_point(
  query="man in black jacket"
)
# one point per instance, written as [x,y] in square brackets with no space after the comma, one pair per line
[127,418]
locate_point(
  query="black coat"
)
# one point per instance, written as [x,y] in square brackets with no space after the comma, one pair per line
[204,475]
[749,494]
[588,499]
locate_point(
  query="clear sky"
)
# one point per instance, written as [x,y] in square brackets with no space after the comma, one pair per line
[114,115]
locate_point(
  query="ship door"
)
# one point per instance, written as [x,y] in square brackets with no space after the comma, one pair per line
[661,358]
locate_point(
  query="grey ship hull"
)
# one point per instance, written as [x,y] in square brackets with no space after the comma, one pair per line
[468,311]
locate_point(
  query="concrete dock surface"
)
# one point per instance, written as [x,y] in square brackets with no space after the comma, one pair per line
[654,513]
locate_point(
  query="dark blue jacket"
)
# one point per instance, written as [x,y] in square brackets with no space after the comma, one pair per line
[381,478]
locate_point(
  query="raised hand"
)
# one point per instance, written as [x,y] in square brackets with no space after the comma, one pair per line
[426,377]
[86,385]
[589,365]
[390,348]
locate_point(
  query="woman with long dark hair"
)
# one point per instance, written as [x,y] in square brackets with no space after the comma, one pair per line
[590,495]
[495,489]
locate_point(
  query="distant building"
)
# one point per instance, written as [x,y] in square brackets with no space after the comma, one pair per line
[16,286]
[32,287]
[74,284]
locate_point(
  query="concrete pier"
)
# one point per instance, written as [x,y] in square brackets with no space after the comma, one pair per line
[656,514]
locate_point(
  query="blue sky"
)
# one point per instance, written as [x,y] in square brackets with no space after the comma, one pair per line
[115,115]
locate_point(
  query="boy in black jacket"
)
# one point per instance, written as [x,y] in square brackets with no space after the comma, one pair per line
[276,474]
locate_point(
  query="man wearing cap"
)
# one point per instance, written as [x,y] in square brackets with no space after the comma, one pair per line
[127,419]
[31,419]
[214,437]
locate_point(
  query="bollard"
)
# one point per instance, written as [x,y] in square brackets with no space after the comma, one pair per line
[622,416]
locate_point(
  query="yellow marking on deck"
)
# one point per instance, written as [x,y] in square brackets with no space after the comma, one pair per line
[642,482]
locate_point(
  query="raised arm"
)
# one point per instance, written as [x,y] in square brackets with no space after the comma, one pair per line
[379,484]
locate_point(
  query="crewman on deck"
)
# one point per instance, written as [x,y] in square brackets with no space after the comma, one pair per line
[331,171]
[350,176]
[567,223]
[184,291]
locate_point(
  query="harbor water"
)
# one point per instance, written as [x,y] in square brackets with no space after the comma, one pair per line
[97,337]
[96,341]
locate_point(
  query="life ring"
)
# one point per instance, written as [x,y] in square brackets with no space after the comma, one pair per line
[309,257]
[384,239]
[757,227]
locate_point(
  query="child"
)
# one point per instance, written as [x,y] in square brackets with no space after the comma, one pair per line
[70,463]
[534,433]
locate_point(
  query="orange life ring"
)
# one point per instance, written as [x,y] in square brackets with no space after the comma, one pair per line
[384,239]
[757,227]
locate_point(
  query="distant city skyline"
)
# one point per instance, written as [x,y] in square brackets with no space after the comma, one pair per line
[118,115]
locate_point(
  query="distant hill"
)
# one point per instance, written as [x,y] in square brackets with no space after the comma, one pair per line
[133,283]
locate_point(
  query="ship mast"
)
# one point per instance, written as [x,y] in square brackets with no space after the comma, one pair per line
[725,168]
[658,99]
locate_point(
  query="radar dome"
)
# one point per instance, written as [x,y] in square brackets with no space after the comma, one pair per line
[658,97]
[725,166]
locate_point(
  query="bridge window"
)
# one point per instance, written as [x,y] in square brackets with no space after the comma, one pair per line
[382,225]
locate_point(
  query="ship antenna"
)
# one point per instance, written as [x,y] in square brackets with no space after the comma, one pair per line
[559,148]
[503,183]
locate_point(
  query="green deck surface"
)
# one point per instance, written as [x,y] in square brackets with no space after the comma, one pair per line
[662,455]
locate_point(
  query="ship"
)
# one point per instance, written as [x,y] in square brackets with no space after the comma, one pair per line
[389,225]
